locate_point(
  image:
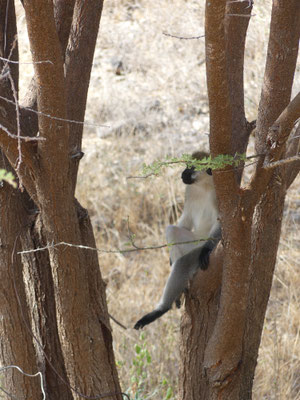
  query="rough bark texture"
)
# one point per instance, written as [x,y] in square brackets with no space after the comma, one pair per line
[265,240]
[221,329]
[63,14]
[66,335]
[78,64]
[196,328]
[235,37]
[41,301]
[279,75]
[16,347]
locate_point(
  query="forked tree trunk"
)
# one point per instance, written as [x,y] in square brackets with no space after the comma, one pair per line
[225,307]
[53,304]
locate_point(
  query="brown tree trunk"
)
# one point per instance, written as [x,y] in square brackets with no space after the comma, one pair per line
[41,301]
[16,347]
[225,307]
[16,342]
[66,335]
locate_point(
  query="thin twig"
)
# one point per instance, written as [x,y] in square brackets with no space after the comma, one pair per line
[5,27]
[6,72]
[26,138]
[141,177]
[19,62]
[281,162]
[241,15]
[15,95]
[116,321]
[72,121]
[250,2]
[26,374]
[294,137]
[183,37]
[18,128]
[118,251]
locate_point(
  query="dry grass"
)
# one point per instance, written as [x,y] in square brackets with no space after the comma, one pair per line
[151,91]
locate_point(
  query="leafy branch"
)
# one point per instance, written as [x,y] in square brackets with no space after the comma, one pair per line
[218,162]
[7,177]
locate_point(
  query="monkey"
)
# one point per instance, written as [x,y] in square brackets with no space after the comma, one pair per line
[199,220]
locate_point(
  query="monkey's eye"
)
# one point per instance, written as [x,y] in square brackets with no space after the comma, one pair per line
[209,171]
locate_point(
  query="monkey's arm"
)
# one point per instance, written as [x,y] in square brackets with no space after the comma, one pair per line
[185,221]
[204,252]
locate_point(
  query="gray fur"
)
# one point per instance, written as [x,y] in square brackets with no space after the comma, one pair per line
[199,220]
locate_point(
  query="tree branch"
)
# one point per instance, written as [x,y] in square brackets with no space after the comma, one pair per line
[217,81]
[224,348]
[277,137]
[281,129]
[9,129]
[282,162]
[50,93]
[236,30]
[280,68]
[293,149]
[63,12]
[219,98]
[78,65]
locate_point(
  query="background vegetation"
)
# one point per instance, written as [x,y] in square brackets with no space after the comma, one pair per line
[150,91]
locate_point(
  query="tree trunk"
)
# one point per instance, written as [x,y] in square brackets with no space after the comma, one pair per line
[58,322]
[41,301]
[16,345]
[16,342]
[225,307]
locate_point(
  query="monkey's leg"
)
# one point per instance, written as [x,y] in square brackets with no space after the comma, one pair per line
[175,234]
[182,271]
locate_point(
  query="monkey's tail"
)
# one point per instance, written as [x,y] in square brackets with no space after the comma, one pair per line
[148,318]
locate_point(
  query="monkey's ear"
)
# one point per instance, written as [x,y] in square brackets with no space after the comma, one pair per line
[209,171]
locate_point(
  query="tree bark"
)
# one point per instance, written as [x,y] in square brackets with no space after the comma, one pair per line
[235,37]
[16,342]
[41,301]
[16,346]
[68,326]
[226,305]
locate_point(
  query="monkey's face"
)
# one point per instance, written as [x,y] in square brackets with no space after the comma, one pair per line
[190,176]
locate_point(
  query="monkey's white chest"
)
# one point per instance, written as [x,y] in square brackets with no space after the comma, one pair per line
[200,211]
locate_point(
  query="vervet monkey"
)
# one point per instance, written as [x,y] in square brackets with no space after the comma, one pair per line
[199,220]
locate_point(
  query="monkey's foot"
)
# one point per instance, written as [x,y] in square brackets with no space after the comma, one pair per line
[204,257]
[148,318]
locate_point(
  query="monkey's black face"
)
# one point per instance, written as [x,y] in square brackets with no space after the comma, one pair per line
[188,176]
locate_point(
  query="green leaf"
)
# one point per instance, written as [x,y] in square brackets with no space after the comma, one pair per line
[137,349]
[7,177]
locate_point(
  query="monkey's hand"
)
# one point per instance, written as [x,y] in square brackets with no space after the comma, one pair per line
[205,251]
